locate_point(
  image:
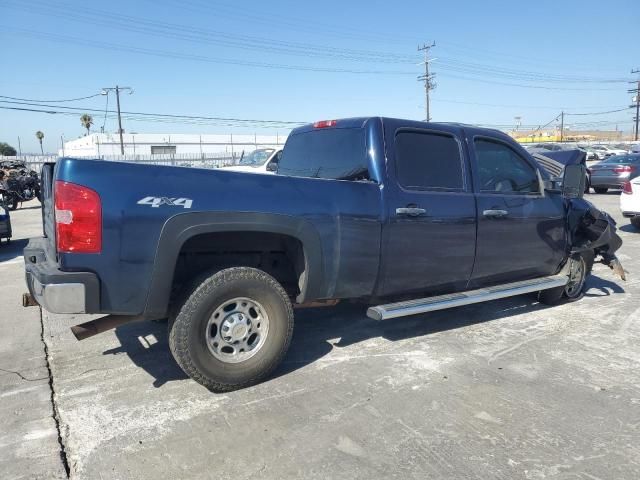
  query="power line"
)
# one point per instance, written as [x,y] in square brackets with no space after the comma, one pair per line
[198,35]
[163,115]
[550,107]
[52,101]
[201,58]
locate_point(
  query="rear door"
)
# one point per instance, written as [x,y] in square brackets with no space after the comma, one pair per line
[521,232]
[430,233]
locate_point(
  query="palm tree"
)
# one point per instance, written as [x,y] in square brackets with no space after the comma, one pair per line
[40,136]
[86,120]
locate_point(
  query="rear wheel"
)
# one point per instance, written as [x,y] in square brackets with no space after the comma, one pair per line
[635,221]
[233,329]
[600,189]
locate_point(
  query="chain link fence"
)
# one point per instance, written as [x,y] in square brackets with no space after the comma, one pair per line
[196,160]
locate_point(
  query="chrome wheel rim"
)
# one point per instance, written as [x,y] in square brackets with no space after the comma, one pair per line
[577,277]
[237,330]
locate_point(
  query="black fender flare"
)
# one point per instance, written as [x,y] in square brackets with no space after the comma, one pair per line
[180,228]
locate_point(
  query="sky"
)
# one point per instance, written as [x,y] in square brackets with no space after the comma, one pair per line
[291,61]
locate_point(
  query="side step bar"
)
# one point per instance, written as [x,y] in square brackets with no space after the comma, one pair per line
[441,302]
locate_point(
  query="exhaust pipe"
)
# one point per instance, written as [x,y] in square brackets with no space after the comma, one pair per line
[99,325]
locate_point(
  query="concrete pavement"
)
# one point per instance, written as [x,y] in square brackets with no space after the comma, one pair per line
[507,389]
[29,446]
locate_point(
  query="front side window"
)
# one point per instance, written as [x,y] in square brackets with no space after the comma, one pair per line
[502,170]
[428,161]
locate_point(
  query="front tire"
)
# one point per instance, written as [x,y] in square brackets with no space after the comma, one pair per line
[580,269]
[233,329]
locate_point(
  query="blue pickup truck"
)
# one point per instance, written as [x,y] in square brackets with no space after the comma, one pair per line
[404,216]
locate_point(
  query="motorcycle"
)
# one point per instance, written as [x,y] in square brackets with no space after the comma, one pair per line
[17,184]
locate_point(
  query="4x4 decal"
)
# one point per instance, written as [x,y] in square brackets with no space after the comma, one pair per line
[156,202]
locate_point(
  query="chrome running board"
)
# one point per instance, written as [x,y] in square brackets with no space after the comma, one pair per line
[441,302]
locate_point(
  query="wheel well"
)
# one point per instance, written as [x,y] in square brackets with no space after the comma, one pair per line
[281,256]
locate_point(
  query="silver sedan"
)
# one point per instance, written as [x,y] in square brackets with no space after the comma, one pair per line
[614,172]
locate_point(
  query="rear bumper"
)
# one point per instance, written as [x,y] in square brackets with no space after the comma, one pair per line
[609,182]
[57,291]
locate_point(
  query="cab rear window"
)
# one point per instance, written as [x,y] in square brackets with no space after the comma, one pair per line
[332,153]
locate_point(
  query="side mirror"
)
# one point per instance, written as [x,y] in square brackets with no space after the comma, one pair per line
[272,166]
[574,181]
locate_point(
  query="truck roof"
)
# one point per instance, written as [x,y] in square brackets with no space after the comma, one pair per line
[356,122]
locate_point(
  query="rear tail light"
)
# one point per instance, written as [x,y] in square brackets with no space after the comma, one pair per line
[325,124]
[626,187]
[624,169]
[78,215]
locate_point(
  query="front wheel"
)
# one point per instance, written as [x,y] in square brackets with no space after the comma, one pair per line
[233,329]
[12,203]
[579,269]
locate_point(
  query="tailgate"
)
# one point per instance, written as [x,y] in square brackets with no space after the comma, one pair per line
[48,219]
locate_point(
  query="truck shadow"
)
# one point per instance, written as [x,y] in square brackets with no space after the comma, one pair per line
[319,331]
[13,249]
[629,228]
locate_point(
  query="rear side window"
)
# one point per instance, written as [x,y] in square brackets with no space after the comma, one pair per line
[502,170]
[333,153]
[428,161]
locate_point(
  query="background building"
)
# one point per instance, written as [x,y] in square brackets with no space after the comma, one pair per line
[105,145]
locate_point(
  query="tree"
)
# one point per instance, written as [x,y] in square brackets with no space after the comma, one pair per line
[40,136]
[7,150]
[86,120]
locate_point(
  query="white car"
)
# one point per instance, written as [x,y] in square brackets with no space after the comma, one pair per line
[262,160]
[630,201]
[608,151]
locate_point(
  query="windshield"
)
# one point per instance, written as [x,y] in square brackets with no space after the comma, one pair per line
[257,157]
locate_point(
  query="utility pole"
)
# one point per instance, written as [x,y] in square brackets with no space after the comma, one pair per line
[117,89]
[19,147]
[637,103]
[561,126]
[427,78]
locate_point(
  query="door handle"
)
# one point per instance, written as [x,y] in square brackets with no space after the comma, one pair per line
[410,211]
[495,213]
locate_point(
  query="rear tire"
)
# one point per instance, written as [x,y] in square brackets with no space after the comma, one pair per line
[212,331]
[600,189]
[635,221]
[574,289]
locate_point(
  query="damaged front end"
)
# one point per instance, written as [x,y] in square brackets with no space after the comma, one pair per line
[591,229]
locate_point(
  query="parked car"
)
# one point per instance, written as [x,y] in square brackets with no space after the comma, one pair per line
[607,151]
[614,171]
[630,201]
[592,155]
[5,222]
[261,160]
[378,210]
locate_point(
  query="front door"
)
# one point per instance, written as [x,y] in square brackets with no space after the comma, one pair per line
[430,234]
[521,229]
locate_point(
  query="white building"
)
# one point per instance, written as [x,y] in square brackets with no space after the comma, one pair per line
[101,145]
